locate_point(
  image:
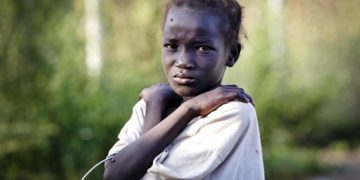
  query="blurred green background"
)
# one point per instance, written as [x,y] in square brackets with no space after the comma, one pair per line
[70,72]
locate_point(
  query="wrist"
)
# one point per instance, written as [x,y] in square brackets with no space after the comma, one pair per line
[156,99]
[190,109]
[156,107]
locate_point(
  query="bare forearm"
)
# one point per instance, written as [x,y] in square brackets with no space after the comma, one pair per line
[154,114]
[133,161]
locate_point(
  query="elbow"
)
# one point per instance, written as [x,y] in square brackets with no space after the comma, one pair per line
[109,172]
[107,175]
[121,169]
[113,173]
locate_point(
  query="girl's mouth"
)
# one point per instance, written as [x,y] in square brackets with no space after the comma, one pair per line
[183,79]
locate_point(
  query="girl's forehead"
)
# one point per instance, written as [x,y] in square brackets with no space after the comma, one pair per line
[186,25]
[184,12]
[186,17]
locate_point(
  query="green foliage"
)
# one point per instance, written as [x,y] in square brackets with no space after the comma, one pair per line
[56,121]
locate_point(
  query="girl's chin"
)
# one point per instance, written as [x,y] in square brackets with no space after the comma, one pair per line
[186,92]
[190,91]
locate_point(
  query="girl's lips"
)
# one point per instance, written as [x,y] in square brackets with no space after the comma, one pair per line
[183,79]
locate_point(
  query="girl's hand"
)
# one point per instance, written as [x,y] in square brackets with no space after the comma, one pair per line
[160,93]
[207,102]
[160,100]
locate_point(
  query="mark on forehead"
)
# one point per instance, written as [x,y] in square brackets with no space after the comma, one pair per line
[171,19]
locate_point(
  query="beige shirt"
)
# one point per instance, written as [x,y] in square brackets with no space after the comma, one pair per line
[224,145]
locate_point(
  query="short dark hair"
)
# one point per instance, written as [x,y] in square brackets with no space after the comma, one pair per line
[230,10]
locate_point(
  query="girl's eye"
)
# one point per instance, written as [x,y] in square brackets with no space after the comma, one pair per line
[171,47]
[203,49]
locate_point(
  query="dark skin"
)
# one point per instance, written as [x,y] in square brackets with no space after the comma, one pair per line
[195,56]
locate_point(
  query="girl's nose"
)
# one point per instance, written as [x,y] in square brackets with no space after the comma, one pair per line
[185,60]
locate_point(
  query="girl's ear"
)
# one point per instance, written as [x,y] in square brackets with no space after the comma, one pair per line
[234,54]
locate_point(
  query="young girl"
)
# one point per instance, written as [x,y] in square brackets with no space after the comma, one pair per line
[193,127]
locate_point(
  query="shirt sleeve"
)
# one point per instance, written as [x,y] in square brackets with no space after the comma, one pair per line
[132,128]
[204,144]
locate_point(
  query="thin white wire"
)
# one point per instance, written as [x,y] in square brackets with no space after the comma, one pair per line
[95,166]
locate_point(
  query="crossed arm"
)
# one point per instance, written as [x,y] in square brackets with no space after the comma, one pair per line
[162,125]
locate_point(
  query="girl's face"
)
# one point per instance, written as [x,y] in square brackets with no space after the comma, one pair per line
[194,53]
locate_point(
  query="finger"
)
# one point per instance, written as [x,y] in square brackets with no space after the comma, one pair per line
[242,97]
[235,87]
[245,97]
[231,86]
[234,93]
[248,97]
[251,100]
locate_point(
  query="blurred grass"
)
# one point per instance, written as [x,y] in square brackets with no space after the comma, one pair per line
[56,122]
